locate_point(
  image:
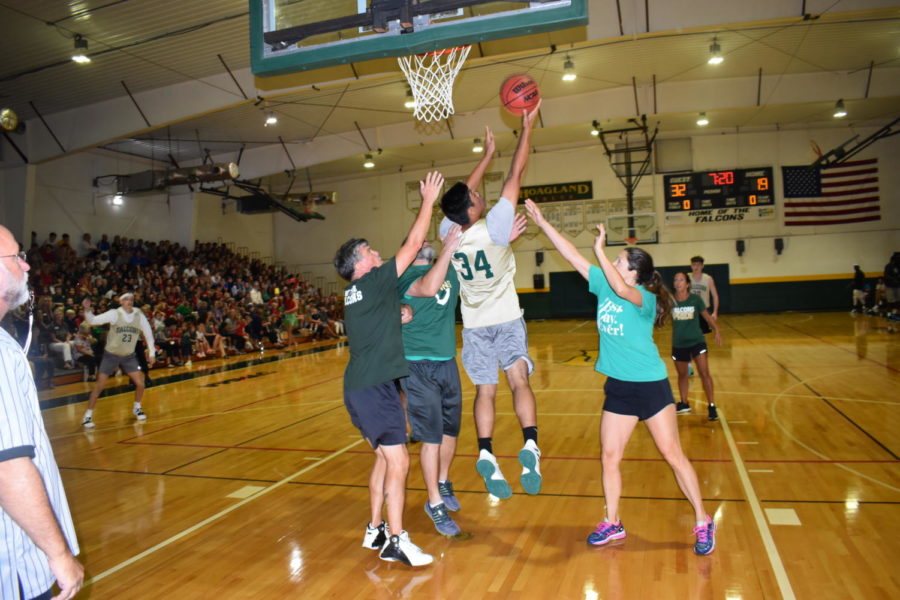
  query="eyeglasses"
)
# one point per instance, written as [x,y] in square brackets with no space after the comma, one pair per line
[20,255]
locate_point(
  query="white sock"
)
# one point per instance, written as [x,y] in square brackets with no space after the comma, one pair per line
[701,523]
[137,405]
[89,413]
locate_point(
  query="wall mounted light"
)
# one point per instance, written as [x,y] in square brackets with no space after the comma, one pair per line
[569,73]
[271,118]
[477,146]
[839,111]
[702,121]
[79,55]
[410,101]
[715,53]
[595,128]
[369,163]
[118,200]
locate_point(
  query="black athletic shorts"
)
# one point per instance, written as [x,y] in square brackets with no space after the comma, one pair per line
[686,354]
[641,399]
[378,413]
[433,399]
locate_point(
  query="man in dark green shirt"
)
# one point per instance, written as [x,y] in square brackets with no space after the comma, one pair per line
[372,320]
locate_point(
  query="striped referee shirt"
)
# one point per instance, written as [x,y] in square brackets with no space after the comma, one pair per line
[22,433]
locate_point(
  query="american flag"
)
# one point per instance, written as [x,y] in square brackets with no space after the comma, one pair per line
[834,195]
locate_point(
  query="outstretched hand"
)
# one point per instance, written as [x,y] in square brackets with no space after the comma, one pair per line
[535,213]
[431,186]
[451,240]
[489,144]
[530,116]
[600,240]
[518,228]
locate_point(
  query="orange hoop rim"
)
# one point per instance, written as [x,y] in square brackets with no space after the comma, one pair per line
[445,50]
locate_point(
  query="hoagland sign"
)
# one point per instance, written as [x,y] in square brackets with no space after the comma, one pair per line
[558,192]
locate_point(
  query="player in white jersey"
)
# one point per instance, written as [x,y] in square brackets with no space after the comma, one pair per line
[126,323]
[704,286]
[494,332]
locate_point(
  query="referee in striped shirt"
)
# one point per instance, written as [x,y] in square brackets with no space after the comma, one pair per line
[37,537]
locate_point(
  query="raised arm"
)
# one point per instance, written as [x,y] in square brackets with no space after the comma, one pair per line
[429,189]
[520,158]
[565,247]
[429,284]
[107,318]
[477,174]
[622,289]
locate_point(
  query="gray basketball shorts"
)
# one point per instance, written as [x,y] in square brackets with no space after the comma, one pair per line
[433,399]
[487,348]
[111,362]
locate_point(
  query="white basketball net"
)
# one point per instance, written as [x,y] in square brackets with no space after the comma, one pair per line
[431,76]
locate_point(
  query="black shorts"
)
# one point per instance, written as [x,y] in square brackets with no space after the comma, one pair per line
[686,354]
[641,399]
[433,399]
[378,414]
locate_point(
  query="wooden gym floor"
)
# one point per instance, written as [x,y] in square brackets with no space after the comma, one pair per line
[248,480]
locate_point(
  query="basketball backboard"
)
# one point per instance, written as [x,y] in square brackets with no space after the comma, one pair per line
[287,36]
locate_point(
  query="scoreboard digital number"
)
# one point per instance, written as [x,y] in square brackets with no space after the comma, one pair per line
[719,189]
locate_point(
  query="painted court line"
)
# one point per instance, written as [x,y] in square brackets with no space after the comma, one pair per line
[214,517]
[760,470]
[784,584]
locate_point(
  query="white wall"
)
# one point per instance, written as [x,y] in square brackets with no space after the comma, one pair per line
[217,220]
[65,201]
[375,208]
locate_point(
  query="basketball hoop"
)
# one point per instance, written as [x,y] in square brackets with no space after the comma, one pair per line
[431,76]
[631,241]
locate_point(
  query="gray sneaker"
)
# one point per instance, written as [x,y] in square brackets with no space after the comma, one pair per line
[450,500]
[442,521]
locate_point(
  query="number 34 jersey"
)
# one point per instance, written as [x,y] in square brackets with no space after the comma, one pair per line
[487,274]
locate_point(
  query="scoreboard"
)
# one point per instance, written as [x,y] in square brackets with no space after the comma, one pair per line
[719,189]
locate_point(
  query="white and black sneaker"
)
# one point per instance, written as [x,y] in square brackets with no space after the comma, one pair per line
[375,536]
[139,413]
[88,422]
[399,548]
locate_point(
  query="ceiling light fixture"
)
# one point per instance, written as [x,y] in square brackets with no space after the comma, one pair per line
[410,101]
[702,121]
[839,110]
[595,128]
[369,162]
[79,54]
[569,70]
[477,147]
[715,53]
[271,118]
[118,200]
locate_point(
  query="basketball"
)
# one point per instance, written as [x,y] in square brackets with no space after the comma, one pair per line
[519,93]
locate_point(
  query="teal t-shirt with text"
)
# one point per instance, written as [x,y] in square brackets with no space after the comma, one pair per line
[627,350]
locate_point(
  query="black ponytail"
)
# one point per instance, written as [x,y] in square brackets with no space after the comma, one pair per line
[641,262]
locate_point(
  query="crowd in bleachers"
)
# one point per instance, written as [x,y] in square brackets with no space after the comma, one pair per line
[201,303]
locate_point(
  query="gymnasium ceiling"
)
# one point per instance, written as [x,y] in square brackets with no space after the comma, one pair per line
[151,45]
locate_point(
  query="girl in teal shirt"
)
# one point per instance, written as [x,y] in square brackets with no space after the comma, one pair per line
[631,299]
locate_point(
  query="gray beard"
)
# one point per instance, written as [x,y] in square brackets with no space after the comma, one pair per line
[428,253]
[16,293]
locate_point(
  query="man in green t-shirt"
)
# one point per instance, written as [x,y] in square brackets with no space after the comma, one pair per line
[433,393]
[372,320]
